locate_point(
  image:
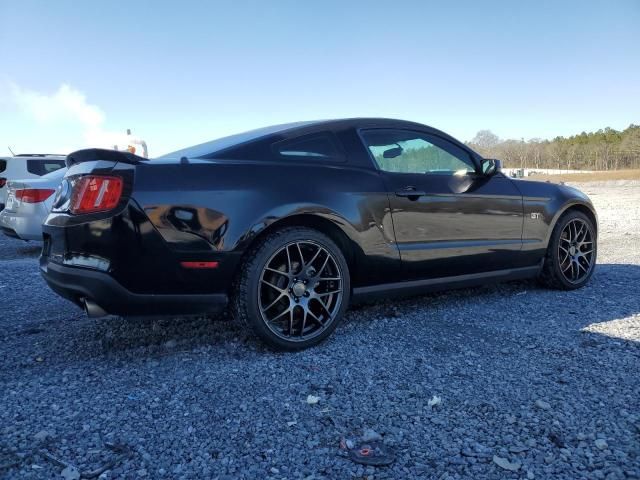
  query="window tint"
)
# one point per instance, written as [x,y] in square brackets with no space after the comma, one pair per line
[42,167]
[3,165]
[316,146]
[405,151]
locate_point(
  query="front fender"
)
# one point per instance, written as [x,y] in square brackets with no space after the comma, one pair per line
[543,204]
[574,203]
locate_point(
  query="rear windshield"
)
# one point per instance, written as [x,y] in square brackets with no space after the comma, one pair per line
[3,165]
[43,166]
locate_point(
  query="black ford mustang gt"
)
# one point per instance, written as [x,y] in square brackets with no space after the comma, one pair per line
[289,224]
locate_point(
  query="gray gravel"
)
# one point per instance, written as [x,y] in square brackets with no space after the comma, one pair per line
[532,383]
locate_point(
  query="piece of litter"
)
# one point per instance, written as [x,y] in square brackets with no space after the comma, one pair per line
[601,444]
[70,473]
[312,399]
[373,453]
[347,444]
[433,401]
[506,464]
[292,423]
[541,404]
[370,435]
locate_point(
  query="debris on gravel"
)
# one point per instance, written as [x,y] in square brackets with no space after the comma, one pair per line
[370,435]
[506,464]
[532,383]
[541,404]
[312,399]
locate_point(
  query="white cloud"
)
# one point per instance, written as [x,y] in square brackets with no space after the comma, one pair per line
[68,110]
[65,104]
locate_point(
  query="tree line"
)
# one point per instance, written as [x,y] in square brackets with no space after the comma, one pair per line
[607,149]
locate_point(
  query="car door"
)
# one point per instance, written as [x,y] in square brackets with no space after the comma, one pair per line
[449,218]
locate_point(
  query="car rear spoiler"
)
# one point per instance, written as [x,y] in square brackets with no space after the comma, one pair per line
[94,154]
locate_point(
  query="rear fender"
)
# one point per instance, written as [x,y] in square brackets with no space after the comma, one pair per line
[286,213]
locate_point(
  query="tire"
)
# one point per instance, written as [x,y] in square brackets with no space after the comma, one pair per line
[287,291]
[560,267]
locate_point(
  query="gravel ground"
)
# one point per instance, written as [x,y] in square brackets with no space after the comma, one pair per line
[531,383]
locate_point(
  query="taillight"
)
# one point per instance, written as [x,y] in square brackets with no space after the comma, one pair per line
[3,182]
[95,193]
[33,195]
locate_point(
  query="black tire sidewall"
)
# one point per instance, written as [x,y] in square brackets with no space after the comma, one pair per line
[553,245]
[263,253]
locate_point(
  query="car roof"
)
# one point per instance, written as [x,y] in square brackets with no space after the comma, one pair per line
[229,142]
[233,140]
[37,156]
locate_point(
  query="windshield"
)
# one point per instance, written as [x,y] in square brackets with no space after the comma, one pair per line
[230,141]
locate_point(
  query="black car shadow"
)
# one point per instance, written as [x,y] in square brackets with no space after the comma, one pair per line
[14,249]
[613,293]
[618,285]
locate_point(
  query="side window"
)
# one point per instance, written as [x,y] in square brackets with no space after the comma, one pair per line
[42,167]
[3,165]
[407,151]
[318,146]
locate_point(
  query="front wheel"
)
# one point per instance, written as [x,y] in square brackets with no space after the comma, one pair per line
[571,254]
[293,289]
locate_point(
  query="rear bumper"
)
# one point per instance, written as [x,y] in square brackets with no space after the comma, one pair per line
[27,225]
[9,232]
[78,284]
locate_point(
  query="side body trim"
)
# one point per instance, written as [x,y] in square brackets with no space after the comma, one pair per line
[415,287]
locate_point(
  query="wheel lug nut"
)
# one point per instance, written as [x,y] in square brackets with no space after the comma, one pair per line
[306,294]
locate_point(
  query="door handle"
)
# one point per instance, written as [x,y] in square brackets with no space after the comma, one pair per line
[411,193]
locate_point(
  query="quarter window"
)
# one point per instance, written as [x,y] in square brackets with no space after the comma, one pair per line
[320,146]
[406,151]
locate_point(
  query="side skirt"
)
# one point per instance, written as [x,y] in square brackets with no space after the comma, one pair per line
[416,287]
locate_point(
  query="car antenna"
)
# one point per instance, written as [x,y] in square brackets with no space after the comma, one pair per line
[11,151]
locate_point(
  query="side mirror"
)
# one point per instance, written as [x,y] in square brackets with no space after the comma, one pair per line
[392,152]
[491,166]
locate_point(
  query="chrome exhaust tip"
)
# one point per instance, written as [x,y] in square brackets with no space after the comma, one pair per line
[93,310]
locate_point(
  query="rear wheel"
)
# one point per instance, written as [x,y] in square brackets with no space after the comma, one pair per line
[293,289]
[571,254]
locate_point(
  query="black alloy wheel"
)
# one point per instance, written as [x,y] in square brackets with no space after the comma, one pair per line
[295,289]
[571,254]
[576,250]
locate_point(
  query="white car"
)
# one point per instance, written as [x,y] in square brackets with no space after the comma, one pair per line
[27,205]
[26,166]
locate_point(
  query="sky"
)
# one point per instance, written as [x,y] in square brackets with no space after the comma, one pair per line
[77,74]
